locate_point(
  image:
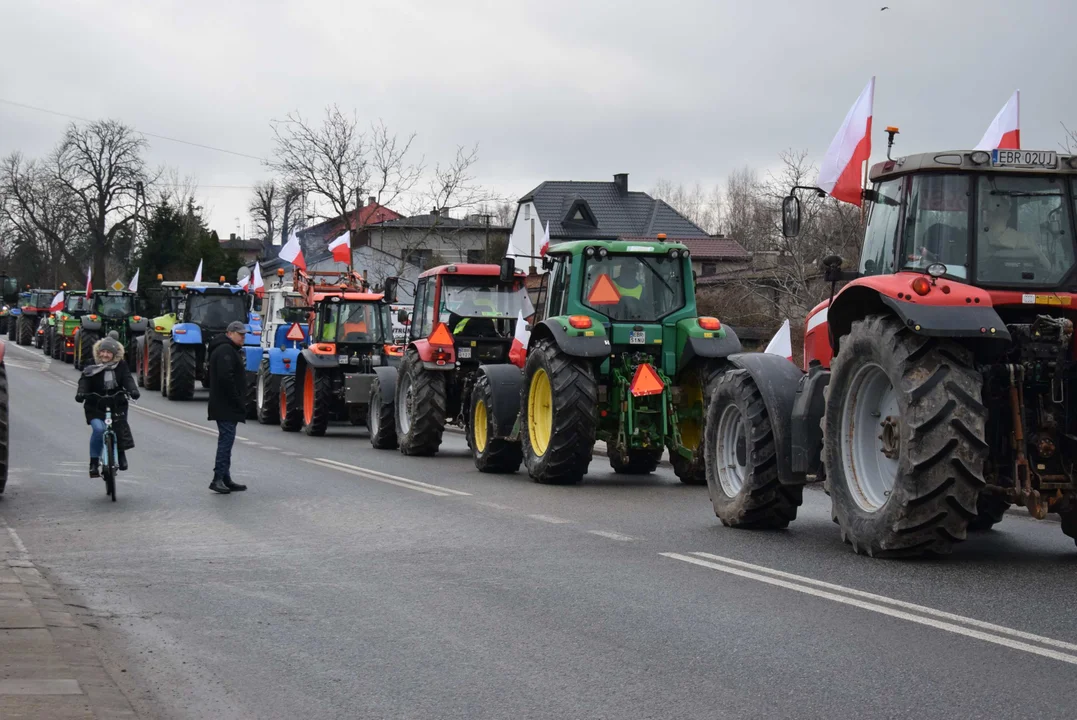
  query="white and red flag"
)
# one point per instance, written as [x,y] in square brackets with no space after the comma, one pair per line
[293,252]
[57,303]
[198,273]
[342,248]
[1005,130]
[781,343]
[545,241]
[518,350]
[133,285]
[89,279]
[841,171]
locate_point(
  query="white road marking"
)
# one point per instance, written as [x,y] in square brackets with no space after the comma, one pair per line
[289,453]
[270,447]
[368,476]
[387,476]
[612,535]
[250,442]
[18,542]
[494,505]
[176,421]
[1001,629]
[873,607]
[549,519]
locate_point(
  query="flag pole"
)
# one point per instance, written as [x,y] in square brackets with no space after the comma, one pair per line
[863,206]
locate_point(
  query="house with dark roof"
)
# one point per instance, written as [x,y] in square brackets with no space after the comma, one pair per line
[435,238]
[248,250]
[315,239]
[711,256]
[592,211]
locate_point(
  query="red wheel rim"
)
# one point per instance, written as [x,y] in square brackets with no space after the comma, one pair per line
[308,397]
[283,403]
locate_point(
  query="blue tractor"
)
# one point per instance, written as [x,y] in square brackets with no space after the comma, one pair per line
[285,332]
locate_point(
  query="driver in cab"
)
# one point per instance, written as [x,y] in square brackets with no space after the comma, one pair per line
[1004,237]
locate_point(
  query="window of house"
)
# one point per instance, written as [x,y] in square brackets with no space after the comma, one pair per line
[710,268]
[420,258]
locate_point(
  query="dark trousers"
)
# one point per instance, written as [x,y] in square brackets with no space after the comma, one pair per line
[226,438]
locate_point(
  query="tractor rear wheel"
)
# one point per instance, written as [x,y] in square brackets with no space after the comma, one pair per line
[290,410]
[904,442]
[267,390]
[421,400]
[380,420]
[181,372]
[317,400]
[24,331]
[559,420]
[990,509]
[1069,519]
[12,327]
[3,427]
[741,458]
[492,455]
[84,357]
[59,346]
[634,461]
[152,348]
[251,389]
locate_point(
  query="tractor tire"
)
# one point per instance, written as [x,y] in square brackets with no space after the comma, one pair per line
[1069,518]
[317,401]
[990,509]
[634,461]
[421,406]
[559,415]
[181,372]
[24,331]
[291,410]
[251,395]
[906,486]
[140,363]
[697,382]
[491,455]
[741,458]
[84,356]
[152,347]
[266,394]
[12,327]
[380,420]
[3,427]
[59,347]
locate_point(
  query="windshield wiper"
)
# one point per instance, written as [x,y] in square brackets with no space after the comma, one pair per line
[1026,193]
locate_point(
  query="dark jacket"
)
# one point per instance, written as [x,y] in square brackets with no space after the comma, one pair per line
[95,379]
[227,381]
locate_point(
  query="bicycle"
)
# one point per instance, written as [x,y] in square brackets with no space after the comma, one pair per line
[110,447]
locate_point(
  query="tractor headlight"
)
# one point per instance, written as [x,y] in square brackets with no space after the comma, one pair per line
[590,252]
[603,252]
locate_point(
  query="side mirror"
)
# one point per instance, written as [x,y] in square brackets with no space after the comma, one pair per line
[546,262]
[390,289]
[508,270]
[402,317]
[790,216]
[832,268]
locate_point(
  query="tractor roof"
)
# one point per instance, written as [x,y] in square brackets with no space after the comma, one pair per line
[349,295]
[216,289]
[474,269]
[630,247]
[962,161]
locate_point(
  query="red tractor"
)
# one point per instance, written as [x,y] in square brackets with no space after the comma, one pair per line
[937,386]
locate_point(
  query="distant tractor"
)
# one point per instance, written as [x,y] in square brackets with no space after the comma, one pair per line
[33,306]
[938,385]
[112,311]
[285,315]
[66,324]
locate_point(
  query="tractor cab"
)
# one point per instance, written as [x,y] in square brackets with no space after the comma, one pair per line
[78,305]
[110,311]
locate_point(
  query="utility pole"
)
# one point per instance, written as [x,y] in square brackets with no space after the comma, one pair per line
[486,254]
[532,259]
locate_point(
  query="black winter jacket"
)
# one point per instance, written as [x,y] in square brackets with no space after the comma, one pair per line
[227,381]
[94,380]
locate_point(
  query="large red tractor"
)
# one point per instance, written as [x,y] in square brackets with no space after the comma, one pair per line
[937,386]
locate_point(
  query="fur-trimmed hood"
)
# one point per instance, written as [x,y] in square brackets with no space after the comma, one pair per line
[107,343]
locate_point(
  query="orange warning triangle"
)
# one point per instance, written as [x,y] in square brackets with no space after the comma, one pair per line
[294,333]
[646,381]
[441,336]
[603,292]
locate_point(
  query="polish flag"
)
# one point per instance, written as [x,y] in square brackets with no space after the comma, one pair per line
[258,283]
[57,303]
[198,273]
[292,252]
[781,343]
[342,248]
[518,351]
[840,174]
[545,241]
[133,285]
[89,284]
[1005,130]
[245,282]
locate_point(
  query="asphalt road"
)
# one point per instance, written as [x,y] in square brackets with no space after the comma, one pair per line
[349,582]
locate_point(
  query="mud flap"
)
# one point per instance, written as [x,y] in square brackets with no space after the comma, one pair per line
[506,381]
[777,380]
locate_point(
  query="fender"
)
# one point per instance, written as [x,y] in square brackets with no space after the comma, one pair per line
[318,361]
[140,325]
[506,382]
[777,380]
[696,345]
[186,334]
[386,383]
[253,358]
[15,311]
[88,324]
[283,361]
[587,346]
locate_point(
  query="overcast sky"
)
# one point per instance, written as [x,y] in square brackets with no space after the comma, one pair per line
[550,89]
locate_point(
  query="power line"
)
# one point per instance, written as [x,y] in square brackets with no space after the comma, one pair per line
[141,132]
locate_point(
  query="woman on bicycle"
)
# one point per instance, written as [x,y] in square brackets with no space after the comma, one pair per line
[102,384]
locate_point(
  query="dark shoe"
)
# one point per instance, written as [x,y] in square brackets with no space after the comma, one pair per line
[95,468]
[218,485]
[123,461]
[233,486]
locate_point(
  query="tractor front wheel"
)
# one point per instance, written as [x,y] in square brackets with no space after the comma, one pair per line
[290,411]
[421,402]
[84,356]
[24,331]
[559,420]
[904,450]
[181,372]
[317,401]
[491,455]
[12,327]
[251,395]
[267,390]
[380,420]
[741,458]
[152,348]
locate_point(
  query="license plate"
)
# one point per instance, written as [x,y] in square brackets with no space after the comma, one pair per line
[464,353]
[342,359]
[1024,158]
[637,337]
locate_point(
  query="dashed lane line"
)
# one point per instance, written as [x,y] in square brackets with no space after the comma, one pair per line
[550,519]
[612,535]
[397,478]
[368,476]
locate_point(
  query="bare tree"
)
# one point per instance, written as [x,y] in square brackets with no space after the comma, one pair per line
[100,165]
[265,207]
[700,205]
[1069,140]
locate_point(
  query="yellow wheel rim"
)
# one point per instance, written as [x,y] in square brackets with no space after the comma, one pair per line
[691,397]
[540,412]
[478,426]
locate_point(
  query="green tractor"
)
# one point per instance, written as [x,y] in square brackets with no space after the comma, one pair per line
[62,334]
[616,353]
[112,311]
[9,295]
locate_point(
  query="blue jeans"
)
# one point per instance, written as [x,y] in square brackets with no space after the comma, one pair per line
[97,438]
[226,437]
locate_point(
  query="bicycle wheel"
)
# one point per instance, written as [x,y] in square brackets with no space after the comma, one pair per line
[108,465]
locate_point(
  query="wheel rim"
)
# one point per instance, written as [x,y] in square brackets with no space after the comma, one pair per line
[478,425]
[540,412]
[691,428]
[406,398]
[260,391]
[372,418]
[732,451]
[308,397]
[870,438]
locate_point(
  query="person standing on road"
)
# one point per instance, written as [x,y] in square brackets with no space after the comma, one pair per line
[227,390]
[102,384]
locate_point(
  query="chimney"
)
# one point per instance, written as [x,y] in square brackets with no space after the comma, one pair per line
[372,200]
[621,181]
[232,236]
[434,212]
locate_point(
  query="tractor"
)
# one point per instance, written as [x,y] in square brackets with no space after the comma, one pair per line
[33,306]
[9,297]
[937,385]
[350,339]
[112,311]
[463,319]
[63,334]
[617,352]
[285,314]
